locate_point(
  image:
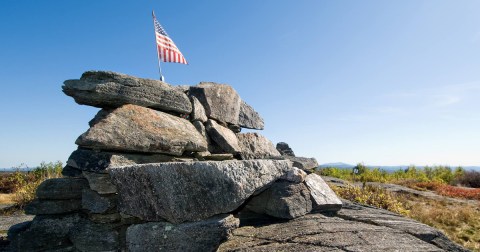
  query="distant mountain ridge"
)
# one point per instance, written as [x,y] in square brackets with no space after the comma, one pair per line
[386,167]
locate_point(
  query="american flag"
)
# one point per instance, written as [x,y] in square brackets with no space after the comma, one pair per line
[167,50]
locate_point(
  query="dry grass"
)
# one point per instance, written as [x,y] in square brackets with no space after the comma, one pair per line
[6,198]
[458,221]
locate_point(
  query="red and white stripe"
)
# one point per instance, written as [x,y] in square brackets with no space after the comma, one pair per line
[168,51]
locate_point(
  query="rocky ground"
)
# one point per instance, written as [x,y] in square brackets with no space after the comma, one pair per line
[354,228]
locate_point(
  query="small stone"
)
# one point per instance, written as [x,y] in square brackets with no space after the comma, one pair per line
[221,102]
[224,137]
[198,112]
[306,164]
[111,90]
[61,188]
[132,128]
[37,206]
[284,149]
[283,199]
[204,235]
[295,175]
[101,183]
[249,118]
[256,146]
[323,197]
[96,203]
[105,218]
[219,157]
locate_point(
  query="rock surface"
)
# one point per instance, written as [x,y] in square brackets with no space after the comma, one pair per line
[37,206]
[284,149]
[45,233]
[344,232]
[295,175]
[139,129]
[111,90]
[223,137]
[61,188]
[306,164]
[249,118]
[192,191]
[205,235]
[100,183]
[283,199]
[98,161]
[221,102]
[323,197]
[256,146]
[89,236]
[198,112]
[96,203]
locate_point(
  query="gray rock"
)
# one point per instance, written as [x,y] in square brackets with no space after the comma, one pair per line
[316,232]
[105,218]
[323,197]
[100,183]
[234,128]
[283,199]
[46,232]
[69,171]
[219,157]
[284,149]
[13,233]
[205,235]
[96,203]
[198,112]
[61,188]
[303,163]
[221,102]
[295,175]
[97,161]
[182,88]
[223,137]
[37,206]
[167,191]
[90,236]
[249,118]
[256,146]
[110,90]
[139,129]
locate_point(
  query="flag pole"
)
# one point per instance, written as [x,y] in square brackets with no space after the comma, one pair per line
[156,45]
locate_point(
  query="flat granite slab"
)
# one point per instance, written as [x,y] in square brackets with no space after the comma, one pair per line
[354,228]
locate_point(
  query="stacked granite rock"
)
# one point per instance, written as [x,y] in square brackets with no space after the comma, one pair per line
[165,168]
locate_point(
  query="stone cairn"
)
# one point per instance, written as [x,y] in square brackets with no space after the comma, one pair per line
[166,168]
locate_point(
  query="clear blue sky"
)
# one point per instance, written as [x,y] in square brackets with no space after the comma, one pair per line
[379,82]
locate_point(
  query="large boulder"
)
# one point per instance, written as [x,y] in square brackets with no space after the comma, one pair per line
[221,101]
[323,197]
[111,90]
[205,235]
[249,118]
[223,137]
[283,199]
[100,182]
[256,146]
[139,129]
[192,191]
